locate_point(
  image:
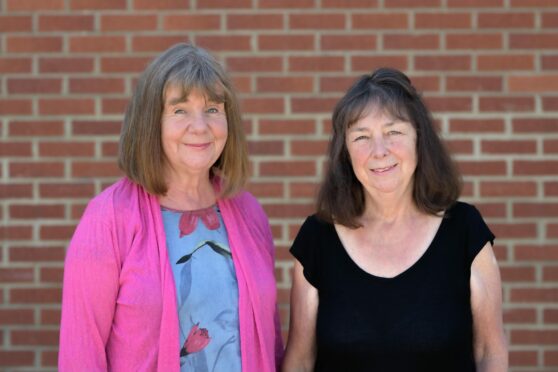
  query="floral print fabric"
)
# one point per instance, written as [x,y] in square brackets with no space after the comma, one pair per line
[207,290]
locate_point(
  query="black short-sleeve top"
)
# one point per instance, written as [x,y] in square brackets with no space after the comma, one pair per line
[419,320]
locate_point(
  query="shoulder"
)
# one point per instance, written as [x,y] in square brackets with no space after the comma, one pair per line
[463,211]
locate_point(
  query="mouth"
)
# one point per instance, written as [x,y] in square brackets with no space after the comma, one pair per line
[198,145]
[383,170]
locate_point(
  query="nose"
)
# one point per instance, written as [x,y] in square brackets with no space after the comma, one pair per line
[379,147]
[197,123]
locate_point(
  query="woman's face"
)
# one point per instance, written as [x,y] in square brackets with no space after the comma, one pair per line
[193,132]
[383,153]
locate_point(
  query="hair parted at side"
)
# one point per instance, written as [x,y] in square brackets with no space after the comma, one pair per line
[436,182]
[188,67]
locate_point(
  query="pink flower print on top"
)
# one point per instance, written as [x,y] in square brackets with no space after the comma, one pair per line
[189,219]
[197,340]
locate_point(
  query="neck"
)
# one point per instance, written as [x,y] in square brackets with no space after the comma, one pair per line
[388,210]
[189,194]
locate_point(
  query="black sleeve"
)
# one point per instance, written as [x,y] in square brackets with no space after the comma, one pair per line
[478,233]
[305,249]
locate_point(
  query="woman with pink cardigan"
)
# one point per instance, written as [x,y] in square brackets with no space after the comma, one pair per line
[172,267]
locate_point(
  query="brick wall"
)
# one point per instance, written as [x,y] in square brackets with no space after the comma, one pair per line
[488,69]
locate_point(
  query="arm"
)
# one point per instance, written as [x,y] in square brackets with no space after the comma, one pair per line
[491,354]
[90,288]
[300,354]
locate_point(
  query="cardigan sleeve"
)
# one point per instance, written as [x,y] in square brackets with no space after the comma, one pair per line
[91,283]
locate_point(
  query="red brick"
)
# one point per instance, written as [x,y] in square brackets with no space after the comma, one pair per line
[49,358]
[505,63]
[15,190]
[34,5]
[473,41]
[552,230]
[460,146]
[442,21]
[534,125]
[125,22]
[550,316]
[66,65]
[286,42]
[155,43]
[15,107]
[101,127]
[411,3]
[67,106]
[66,190]
[506,20]
[34,337]
[508,188]
[15,149]
[523,358]
[532,3]
[36,211]
[97,44]
[34,85]
[33,44]
[549,20]
[492,210]
[306,147]
[34,129]
[549,62]
[550,103]
[14,358]
[37,254]
[125,64]
[335,83]
[37,170]
[506,104]
[113,105]
[312,105]
[98,4]
[519,315]
[449,104]
[509,147]
[349,3]
[535,167]
[442,62]
[78,209]
[66,23]
[15,232]
[410,41]
[550,273]
[16,316]
[66,149]
[482,168]
[286,126]
[303,190]
[535,209]
[19,275]
[109,149]
[50,316]
[475,3]
[255,64]
[315,64]
[263,147]
[535,295]
[56,232]
[266,189]
[348,42]
[223,4]
[529,41]
[9,24]
[263,105]
[35,295]
[285,84]
[96,85]
[474,83]
[95,169]
[550,146]
[15,65]
[370,63]
[287,168]
[317,21]
[517,274]
[194,22]
[288,210]
[225,42]
[380,21]
[551,188]
[165,4]
[286,4]
[514,230]
[535,84]
[52,274]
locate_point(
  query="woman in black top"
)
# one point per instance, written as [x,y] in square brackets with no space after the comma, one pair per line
[392,273]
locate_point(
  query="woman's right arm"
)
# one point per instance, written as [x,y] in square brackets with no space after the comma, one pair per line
[91,283]
[300,354]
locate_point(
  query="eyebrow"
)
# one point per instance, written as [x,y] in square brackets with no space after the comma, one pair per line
[362,129]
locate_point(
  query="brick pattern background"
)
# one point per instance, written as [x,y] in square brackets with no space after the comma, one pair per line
[488,70]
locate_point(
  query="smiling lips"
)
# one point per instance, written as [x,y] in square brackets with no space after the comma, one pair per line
[198,145]
[383,170]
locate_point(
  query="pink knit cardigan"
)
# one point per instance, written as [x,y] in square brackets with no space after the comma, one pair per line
[119,309]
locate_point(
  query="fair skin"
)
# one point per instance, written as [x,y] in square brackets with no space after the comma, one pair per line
[193,132]
[383,157]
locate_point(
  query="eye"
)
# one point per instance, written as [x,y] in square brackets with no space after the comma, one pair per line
[360,138]
[394,132]
[213,110]
[179,111]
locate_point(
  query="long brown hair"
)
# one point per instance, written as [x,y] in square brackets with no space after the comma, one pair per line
[436,184]
[188,67]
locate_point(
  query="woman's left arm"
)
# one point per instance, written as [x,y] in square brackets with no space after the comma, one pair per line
[491,353]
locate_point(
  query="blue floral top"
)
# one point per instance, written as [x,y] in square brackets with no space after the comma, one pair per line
[206,288]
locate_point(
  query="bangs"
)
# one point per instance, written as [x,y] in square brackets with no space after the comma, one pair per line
[198,77]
